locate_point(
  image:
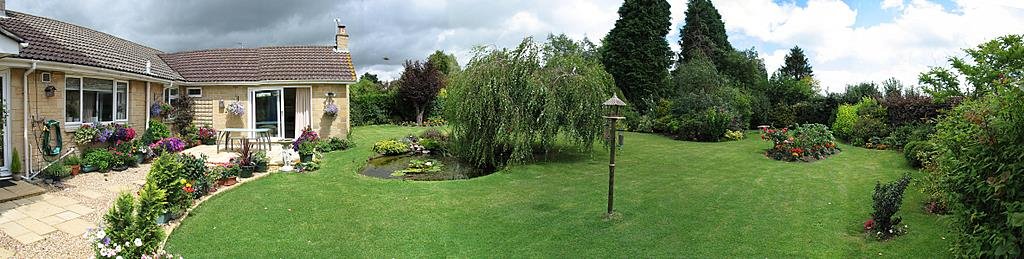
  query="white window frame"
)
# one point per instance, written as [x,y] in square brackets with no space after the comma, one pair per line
[81,103]
[168,97]
[188,91]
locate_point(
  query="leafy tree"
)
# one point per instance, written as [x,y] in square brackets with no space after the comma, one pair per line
[940,83]
[514,103]
[636,53]
[371,102]
[892,88]
[370,78]
[704,33]
[445,63]
[796,64]
[420,85]
[855,92]
[788,90]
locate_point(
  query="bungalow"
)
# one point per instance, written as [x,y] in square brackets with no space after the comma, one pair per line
[53,70]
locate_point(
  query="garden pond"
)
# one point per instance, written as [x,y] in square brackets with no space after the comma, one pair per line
[421,167]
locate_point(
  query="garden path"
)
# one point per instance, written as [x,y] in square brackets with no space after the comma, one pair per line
[51,225]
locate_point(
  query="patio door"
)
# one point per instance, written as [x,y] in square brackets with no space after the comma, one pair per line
[5,126]
[268,112]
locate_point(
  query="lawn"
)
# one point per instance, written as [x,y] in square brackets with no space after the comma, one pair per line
[676,199]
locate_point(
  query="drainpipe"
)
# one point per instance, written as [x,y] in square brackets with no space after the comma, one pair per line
[24,92]
[147,105]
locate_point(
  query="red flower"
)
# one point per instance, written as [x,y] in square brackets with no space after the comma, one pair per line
[868,225]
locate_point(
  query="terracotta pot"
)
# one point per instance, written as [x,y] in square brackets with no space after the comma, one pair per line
[228,181]
[76,169]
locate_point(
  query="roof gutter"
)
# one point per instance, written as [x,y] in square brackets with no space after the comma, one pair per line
[24,118]
[265,82]
[82,69]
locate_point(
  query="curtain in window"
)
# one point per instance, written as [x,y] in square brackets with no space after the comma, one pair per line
[99,94]
[121,106]
[302,110]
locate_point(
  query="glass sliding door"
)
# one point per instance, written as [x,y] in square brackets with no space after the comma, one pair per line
[267,111]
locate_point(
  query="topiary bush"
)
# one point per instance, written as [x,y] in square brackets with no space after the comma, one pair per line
[887,201]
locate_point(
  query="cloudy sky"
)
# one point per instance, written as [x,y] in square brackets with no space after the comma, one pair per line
[847,41]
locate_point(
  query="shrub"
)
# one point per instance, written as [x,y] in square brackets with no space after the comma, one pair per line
[390,147]
[734,134]
[207,135]
[709,125]
[57,171]
[168,174]
[846,117]
[867,128]
[920,153]
[73,160]
[99,159]
[981,144]
[887,201]
[130,229]
[156,131]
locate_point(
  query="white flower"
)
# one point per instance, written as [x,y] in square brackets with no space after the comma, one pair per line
[99,245]
[101,234]
[429,163]
[119,257]
[138,242]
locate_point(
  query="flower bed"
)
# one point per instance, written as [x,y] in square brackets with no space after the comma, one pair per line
[808,142]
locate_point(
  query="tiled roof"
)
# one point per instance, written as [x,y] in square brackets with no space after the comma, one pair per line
[266,63]
[53,40]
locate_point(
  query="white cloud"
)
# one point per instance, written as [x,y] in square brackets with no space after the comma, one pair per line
[922,34]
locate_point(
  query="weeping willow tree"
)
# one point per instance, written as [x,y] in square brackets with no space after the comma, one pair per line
[514,103]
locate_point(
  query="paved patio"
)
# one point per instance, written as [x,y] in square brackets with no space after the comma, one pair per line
[277,149]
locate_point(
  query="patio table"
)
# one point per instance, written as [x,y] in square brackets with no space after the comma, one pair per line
[262,137]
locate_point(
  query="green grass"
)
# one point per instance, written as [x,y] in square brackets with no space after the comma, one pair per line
[676,199]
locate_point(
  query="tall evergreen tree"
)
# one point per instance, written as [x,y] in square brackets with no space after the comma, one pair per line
[703,32]
[636,53]
[797,65]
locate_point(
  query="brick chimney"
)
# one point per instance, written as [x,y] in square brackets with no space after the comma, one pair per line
[341,38]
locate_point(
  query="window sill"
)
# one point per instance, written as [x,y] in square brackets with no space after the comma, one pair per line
[73,126]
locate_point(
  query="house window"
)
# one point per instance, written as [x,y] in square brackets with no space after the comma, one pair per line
[194,92]
[170,95]
[89,100]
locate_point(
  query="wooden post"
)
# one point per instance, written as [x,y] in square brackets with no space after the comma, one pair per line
[611,165]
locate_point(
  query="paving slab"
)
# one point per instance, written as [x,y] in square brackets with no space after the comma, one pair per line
[79,209]
[52,220]
[29,238]
[28,200]
[58,201]
[8,205]
[13,229]
[40,210]
[75,227]
[35,226]
[67,215]
[11,215]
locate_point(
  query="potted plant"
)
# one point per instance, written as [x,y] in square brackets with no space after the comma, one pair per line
[74,163]
[306,151]
[97,160]
[228,175]
[261,160]
[245,160]
[57,171]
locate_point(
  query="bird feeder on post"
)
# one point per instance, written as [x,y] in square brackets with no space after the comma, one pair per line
[614,103]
